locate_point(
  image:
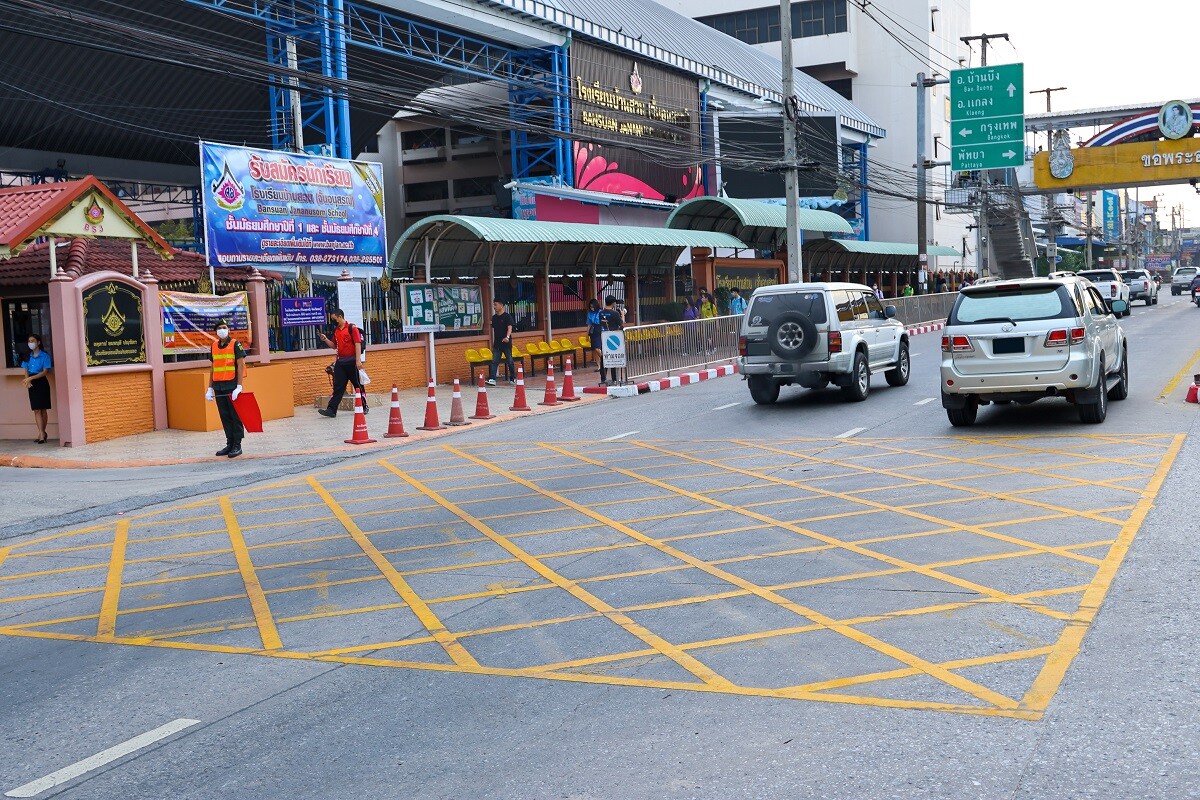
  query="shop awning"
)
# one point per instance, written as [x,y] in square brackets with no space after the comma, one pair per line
[760,225]
[851,254]
[465,247]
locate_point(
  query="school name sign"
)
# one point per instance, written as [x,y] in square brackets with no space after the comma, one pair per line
[289,209]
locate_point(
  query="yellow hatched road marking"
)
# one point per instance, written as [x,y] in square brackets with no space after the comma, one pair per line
[958,682]
[254,590]
[112,587]
[1184,371]
[689,663]
[453,648]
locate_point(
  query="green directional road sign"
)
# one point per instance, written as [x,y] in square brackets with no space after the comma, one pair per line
[987,115]
[989,156]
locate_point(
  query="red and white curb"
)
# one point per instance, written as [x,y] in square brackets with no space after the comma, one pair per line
[685,379]
[928,327]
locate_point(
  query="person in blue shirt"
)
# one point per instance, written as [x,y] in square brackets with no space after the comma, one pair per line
[37,381]
[737,303]
[595,331]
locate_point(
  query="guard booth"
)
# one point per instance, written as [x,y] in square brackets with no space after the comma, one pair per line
[81,270]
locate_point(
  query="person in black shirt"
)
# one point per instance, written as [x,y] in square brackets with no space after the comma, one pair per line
[611,319]
[502,342]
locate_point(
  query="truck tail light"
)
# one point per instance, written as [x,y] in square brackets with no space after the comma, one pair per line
[835,341]
[957,344]
[742,346]
[1112,290]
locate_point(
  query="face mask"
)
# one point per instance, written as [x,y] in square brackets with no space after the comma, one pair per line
[223,333]
[33,345]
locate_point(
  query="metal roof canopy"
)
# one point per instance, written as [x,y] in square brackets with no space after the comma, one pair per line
[851,254]
[449,242]
[760,225]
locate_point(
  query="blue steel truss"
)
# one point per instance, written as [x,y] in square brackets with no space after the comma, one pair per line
[323,29]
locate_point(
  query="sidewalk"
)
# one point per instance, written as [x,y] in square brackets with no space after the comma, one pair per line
[307,433]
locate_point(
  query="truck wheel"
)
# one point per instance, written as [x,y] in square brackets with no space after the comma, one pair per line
[1094,413]
[898,375]
[763,389]
[963,417]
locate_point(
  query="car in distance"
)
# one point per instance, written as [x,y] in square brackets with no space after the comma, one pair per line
[1181,279]
[815,334]
[1024,340]
[1141,286]
[1111,285]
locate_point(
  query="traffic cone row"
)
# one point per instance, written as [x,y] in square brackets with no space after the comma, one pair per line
[551,397]
[482,411]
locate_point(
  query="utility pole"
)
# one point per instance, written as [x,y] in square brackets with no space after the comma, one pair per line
[1088,231]
[984,39]
[923,163]
[791,182]
[1049,132]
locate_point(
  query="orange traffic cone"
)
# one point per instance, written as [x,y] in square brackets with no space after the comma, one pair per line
[395,423]
[481,403]
[431,415]
[551,398]
[457,417]
[360,435]
[519,401]
[568,392]
[1193,392]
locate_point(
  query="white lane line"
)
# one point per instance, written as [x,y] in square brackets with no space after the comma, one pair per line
[727,405]
[923,402]
[849,433]
[121,750]
[619,436]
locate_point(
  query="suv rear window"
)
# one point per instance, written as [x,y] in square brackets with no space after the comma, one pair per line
[765,308]
[1012,305]
[1097,275]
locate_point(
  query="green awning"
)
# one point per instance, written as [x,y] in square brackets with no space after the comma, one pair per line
[463,244]
[851,254]
[761,225]
[886,248]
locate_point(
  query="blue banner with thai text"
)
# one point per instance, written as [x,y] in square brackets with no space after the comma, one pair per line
[288,209]
[1112,216]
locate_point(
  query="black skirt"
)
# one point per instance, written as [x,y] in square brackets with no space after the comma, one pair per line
[39,395]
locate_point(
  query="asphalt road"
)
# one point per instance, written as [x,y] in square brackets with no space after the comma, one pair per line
[1119,723]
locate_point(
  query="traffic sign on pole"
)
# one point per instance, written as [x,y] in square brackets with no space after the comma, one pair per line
[987,115]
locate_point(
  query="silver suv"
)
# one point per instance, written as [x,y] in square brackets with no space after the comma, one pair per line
[814,334]
[1028,339]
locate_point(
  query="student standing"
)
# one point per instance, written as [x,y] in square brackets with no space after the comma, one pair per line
[737,303]
[347,339]
[37,370]
[593,326]
[224,386]
[502,342]
[610,320]
[708,309]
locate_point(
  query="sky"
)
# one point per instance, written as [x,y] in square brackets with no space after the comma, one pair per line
[1106,53]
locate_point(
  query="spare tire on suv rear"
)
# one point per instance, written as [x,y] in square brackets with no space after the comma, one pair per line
[792,335]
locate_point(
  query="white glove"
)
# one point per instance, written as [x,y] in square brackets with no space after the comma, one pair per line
[236,392]
[209,395]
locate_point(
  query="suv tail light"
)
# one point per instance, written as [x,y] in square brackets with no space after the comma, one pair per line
[742,346]
[835,341]
[1062,337]
[957,344]
[1112,290]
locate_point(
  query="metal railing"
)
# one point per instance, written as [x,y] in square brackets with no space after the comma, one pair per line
[923,307]
[670,347]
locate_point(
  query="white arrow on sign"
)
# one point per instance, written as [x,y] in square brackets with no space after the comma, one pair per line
[1011,89]
[965,132]
[1009,154]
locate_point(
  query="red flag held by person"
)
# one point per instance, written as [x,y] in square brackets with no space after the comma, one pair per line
[248,412]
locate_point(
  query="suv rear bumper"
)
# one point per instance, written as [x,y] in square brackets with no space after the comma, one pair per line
[1031,384]
[838,363]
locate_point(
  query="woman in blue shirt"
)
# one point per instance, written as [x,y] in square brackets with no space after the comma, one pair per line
[37,370]
[594,330]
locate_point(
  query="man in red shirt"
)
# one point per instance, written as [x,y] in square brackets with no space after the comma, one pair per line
[347,339]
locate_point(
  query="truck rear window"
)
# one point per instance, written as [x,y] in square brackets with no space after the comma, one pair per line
[765,308]
[1097,275]
[1012,305]
[1128,276]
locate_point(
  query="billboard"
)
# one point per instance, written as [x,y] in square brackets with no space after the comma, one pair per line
[436,307]
[1111,205]
[189,319]
[643,122]
[287,209]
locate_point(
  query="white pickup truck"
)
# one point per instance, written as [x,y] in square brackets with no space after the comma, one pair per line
[1111,286]
[1141,286]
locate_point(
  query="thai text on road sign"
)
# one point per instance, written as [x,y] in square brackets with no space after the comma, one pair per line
[613,348]
[987,115]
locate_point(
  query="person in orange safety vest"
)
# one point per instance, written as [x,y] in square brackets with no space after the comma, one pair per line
[224,386]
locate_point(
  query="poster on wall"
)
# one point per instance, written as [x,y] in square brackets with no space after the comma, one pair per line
[112,325]
[296,312]
[437,307]
[350,301]
[645,120]
[189,319]
[289,209]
